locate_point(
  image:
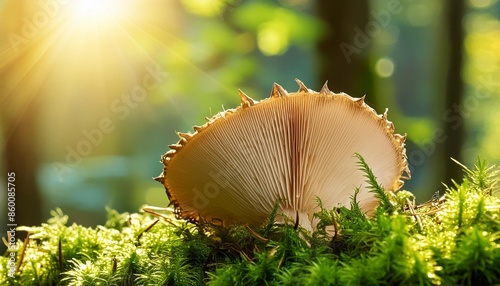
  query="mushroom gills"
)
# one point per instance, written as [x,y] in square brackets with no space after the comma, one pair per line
[290,148]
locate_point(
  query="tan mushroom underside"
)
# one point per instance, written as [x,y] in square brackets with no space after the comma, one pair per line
[290,147]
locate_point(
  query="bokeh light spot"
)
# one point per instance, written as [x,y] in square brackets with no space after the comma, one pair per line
[481,3]
[384,67]
[206,8]
[273,39]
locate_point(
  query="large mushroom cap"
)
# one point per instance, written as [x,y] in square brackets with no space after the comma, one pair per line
[289,148]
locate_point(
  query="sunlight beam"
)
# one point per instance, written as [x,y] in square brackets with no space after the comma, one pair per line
[97,10]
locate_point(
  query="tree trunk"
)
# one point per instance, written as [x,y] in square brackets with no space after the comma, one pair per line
[344,50]
[454,129]
[20,103]
[22,158]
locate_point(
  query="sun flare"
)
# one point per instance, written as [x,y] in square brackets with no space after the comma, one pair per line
[80,56]
[97,10]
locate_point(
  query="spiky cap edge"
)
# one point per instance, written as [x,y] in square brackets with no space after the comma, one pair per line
[277,91]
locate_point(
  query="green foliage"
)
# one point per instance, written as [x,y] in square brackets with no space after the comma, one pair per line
[450,240]
[376,188]
[288,26]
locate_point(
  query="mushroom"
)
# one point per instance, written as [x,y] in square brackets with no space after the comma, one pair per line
[290,148]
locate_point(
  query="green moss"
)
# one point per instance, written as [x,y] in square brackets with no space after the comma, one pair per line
[454,239]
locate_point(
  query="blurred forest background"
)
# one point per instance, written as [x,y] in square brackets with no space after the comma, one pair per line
[92,92]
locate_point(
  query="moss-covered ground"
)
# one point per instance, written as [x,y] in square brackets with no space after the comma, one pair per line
[452,239]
